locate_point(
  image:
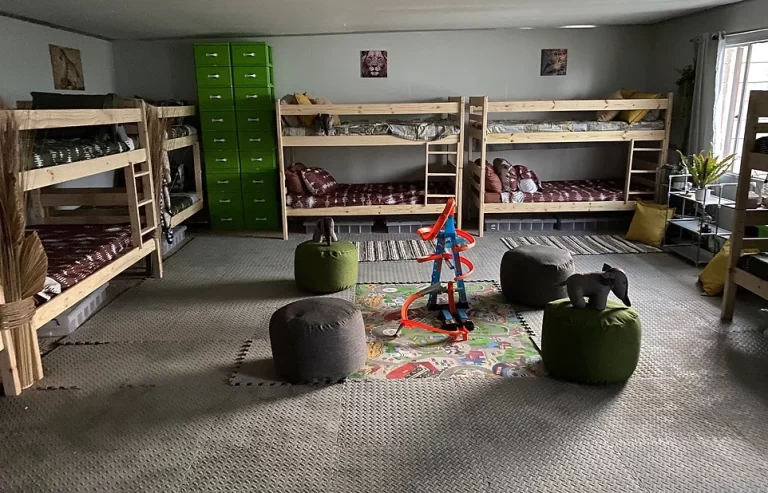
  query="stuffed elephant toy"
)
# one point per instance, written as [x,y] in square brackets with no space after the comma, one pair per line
[324,230]
[596,285]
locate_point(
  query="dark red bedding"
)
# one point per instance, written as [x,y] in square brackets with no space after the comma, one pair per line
[347,195]
[565,191]
[75,252]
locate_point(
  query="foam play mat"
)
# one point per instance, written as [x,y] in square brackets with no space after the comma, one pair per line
[499,346]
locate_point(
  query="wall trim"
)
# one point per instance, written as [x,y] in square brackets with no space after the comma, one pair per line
[52,26]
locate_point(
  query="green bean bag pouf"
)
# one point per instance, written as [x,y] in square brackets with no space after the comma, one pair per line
[590,346]
[320,268]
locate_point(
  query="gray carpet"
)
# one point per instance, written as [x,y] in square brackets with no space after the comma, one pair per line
[142,399]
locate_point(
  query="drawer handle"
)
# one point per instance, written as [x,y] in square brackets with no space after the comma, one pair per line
[259,218]
[259,201]
[254,119]
[212,54]
[213,76]
[249,54]
[222,182]
[258,182]
[217,120]
[250,76]
[254,140]
[214,96]
[251,96]
[221,160]
[223,201]
[257,159]
[219,140]
[226,219]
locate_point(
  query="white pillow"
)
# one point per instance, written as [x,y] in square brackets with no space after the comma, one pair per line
[528,186]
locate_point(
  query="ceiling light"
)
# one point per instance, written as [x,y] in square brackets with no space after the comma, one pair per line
[526,28]
[579,26]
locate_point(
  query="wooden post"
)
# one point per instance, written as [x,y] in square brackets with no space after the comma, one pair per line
[281,164]
[148,190]
[483,157]
[8,370]
[628,179]
[460,163]
[198,170]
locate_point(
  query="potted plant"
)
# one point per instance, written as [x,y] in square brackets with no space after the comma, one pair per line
[705,169]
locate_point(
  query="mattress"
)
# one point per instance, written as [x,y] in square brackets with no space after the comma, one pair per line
[178,131]
[564,191]
[756,264]
[75,252]
[533,126]
[345,195]
[181,201]
[421,130]
[53,152]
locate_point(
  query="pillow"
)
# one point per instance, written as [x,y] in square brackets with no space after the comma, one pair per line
[304,99]
[507,174]
[649,223]
[529,182]
[290,120]
[608,115]
[294,183]
[318,181]
[634,116]
[56,101]
[713,276]
[492,180]
[335,120]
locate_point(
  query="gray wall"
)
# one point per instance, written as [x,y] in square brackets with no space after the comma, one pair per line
[502,64]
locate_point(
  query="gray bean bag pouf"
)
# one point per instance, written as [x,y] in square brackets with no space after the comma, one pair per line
[530,274]
[317,339]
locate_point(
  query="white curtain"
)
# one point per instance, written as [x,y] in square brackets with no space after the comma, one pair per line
[710,50]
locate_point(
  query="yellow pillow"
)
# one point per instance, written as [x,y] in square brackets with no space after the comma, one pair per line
[304,99]
[649,223]
[608,115]
[713,276]
[634,116]
[335,120]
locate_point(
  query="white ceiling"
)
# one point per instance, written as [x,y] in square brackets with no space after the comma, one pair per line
[141,19]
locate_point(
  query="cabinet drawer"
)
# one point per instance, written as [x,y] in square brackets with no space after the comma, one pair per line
[214,76]
[212,54]
[251,76]
[221,141]
[222,161]
[213,121]
[256,140]
[225,203]
[253,98]
[258,160]
[215,98]
[250,54]
[227,220]
[260,215]
[256,120]
[224,182]
[262,184]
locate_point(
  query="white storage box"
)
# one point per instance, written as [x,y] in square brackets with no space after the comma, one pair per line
[70,320]
[179,235]
[341,227]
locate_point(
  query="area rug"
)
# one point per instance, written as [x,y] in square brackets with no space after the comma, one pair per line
[390,250]
[583,244]
[499,346]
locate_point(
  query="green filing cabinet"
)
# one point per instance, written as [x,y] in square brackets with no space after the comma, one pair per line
[236,92]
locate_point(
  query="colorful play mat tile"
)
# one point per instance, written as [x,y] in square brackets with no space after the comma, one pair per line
[499,346]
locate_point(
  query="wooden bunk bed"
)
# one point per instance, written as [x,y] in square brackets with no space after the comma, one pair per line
[430,200]
[134,205]
[749,271]
[647,151]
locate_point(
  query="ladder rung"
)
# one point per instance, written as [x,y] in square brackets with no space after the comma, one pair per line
[646,149]
[640,193]
[441,174]
[140,174]
[147,230]
[440,195]
[145,202]
[643,171]
[448,153]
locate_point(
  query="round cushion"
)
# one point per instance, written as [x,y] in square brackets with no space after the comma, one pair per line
[531,274]
[590,346]
[321,268]
[317,339]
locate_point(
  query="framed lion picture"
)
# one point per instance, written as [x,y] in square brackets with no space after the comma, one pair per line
[373,64]
[67,68]
[554,62]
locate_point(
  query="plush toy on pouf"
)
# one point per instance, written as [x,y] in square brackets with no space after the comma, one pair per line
[593,342]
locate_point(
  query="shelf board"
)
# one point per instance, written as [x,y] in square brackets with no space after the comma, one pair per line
[712,200]
[688,252]
[693,225]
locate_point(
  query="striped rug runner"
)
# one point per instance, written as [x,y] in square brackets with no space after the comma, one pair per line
[583,245]
[390,250]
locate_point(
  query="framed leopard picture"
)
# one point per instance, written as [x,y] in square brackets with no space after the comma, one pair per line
[373,64]
[67,68]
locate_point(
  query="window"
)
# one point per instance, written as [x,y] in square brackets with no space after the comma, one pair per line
[745,69]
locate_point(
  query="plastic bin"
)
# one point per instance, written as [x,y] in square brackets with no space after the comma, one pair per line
[70,320]
[179,235]
[341,227]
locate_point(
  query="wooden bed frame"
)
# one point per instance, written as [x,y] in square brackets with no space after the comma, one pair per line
[480,108]
[137,197]
[454,106]
[750,160]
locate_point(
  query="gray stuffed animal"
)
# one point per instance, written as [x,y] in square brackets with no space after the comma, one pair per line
[324,229]
[596,285]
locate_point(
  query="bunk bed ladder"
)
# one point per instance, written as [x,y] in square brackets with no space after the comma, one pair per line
[428,174]
[645,175]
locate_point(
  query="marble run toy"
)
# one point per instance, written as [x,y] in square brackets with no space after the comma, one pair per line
[450,243]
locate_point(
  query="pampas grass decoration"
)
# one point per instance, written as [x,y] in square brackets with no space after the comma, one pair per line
[157,130]
[23,262]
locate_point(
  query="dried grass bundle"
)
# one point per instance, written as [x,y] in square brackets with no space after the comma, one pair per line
[23,262]
[157,130]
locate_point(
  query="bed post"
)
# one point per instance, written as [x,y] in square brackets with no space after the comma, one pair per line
[483,154]
[742,194]
[460,162]
[198,170]
[281,165]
